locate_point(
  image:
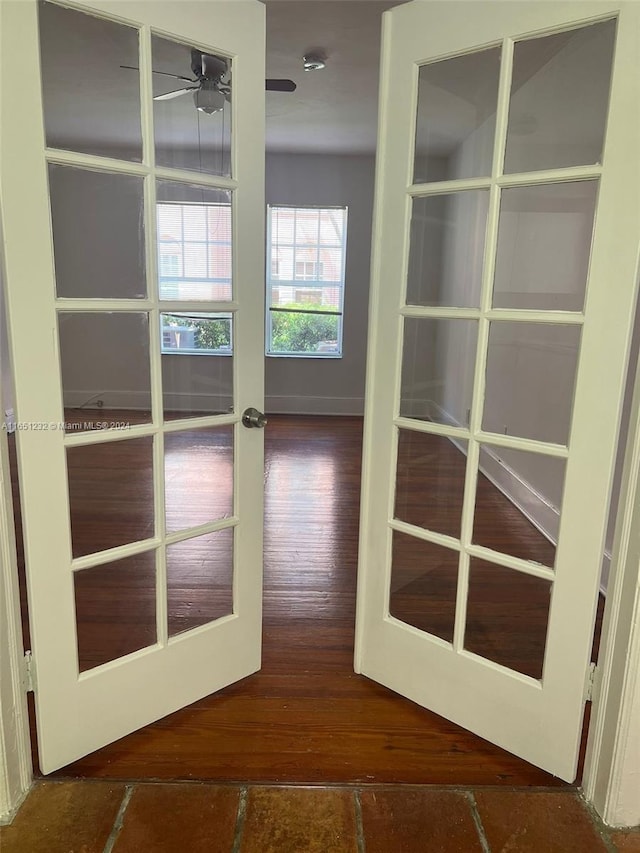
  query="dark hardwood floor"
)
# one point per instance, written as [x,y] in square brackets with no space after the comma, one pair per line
[307,717]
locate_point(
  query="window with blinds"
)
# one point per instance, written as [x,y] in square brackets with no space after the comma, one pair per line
[194,265]
[194,251]
[305,280]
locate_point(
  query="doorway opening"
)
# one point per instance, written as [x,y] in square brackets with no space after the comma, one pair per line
[306,716]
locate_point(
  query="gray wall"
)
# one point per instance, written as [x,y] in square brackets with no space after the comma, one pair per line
[327,386]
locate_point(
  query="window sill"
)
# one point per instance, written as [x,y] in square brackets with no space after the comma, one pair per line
[196,352]
[309,355]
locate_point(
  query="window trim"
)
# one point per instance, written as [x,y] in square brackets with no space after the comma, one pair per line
[304,283]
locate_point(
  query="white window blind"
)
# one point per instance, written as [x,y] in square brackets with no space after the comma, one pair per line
[194,251]
[305,280]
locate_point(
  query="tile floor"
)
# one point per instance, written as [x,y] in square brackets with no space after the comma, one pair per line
[106,817]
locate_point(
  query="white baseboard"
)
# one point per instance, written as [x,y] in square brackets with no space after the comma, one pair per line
[110,399]
[422,410]
[536,507]
[295,405]
[533,505]
[176,401]
[180,401]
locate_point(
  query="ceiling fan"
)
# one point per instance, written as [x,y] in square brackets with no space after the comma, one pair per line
[211,85]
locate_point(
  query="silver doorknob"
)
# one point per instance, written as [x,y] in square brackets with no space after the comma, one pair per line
[252,418]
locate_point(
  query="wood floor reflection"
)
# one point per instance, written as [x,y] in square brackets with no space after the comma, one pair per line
[307,717]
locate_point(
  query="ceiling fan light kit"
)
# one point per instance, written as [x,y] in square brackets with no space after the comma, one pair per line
[208,98]
[209,86]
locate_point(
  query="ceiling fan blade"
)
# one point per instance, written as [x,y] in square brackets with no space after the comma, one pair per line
[176,94]
[274,85]
[177,76]
[164,73]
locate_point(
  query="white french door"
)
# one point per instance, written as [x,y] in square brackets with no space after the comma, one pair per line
[504,271]
[134,240]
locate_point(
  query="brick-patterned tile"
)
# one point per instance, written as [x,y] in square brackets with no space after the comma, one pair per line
[299,820]
[169,818]
[415,820]
[522,822]
[64,817]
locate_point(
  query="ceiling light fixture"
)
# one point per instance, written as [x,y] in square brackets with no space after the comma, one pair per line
[208,98]
[314,61]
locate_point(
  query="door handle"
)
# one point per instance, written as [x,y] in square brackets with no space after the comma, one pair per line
[253,419]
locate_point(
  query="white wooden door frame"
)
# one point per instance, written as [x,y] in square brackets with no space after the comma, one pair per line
[609,748]
[15,752]
[612,765]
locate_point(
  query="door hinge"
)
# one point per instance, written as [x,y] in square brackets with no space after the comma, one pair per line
[29,673]
[590,685]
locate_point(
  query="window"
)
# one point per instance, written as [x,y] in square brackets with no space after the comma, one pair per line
[194,251]
[197,334]
[305,281]
[309,270]
[194,264]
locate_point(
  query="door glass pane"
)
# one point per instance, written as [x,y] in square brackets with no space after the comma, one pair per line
[199,580]
[193,129]
[110,494]
[544,246]
[91,104]
[194,242]
[438,360]
[198,476]
[193,385]
[507,617]
[456,119]
[424,580]
[447,248]
[98,233]
[518,501]
[115,609]
[531,373]
[559,99]
[104,359]
[430,481]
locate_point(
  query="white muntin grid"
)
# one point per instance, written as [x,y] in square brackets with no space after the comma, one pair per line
[152,306]
[474,435]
